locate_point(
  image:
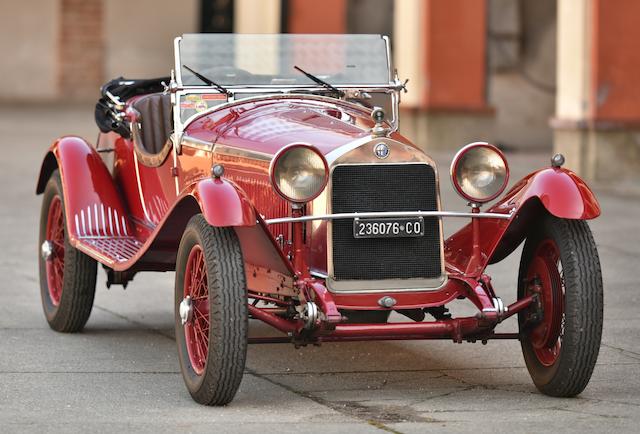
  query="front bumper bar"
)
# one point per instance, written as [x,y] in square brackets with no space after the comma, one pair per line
[352,215]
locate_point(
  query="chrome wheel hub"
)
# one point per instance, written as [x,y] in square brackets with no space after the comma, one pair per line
[310,315]
[46,250]
[186,310]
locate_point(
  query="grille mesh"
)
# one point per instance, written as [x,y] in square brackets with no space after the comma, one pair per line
[384,187]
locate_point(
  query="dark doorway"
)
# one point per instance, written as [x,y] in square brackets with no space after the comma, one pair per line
[216,16]
[370,16]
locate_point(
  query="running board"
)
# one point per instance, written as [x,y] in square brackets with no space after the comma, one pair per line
[110,250]
[104,234]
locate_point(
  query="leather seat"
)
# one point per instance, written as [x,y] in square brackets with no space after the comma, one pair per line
[156,120]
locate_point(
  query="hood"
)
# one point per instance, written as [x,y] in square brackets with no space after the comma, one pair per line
[268,124]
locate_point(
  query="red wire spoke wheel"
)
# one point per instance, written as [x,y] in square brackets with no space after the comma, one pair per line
[560,332]
[196,330]
[546,273]
[211,315]
[55,264]
[67,276]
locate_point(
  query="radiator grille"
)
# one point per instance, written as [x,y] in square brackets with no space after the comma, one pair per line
[384,187]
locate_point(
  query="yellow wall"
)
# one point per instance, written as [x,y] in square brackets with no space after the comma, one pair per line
[28,43]
[139,39]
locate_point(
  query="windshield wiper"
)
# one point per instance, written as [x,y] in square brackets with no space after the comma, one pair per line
[320,81]
[208,81]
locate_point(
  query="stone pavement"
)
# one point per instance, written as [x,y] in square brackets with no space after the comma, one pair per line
[121,373]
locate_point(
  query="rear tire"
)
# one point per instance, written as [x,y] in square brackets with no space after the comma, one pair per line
[212,345]
[560,346]
[68,276]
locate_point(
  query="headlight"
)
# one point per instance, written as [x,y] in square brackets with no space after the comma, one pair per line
[299,173]
[479,172]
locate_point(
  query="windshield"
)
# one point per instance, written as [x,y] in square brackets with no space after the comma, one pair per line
[232,60]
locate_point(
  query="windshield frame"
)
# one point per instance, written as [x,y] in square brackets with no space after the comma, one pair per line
[258,91]
[178,65]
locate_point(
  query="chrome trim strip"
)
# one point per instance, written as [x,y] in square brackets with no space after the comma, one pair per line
[385,285]
[387,45]
[115,212]
[110,222]
[195,143]
[140,195]
[264,156]
[250,88]
[104,222]
[241,152]
[84,228]
[93,252]
[318,274]
[350,215]
[95,213]
[347,147]
[329,101]
[183,125]
[89,220]
[176,59]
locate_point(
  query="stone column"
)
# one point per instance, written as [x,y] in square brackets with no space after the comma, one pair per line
[597,122]
[256,16]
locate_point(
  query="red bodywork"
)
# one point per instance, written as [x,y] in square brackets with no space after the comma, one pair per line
[130,217]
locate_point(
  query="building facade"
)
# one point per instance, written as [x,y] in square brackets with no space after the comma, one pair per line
[524,74]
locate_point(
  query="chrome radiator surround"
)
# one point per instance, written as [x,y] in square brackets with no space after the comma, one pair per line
[364,154]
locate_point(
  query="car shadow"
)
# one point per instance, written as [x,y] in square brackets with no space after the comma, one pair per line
[383,367]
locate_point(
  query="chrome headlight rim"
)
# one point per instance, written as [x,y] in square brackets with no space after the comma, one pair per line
[274,165]
[454,170]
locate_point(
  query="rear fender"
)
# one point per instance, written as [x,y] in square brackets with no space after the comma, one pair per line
[556,191]
[92,203]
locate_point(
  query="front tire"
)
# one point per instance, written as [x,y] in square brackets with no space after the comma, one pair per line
[561,333]
[211,299]
[67,276]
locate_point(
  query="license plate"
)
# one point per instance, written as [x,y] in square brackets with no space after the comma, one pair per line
[388,227]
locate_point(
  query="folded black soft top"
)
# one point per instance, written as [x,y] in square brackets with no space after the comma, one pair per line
[124,89]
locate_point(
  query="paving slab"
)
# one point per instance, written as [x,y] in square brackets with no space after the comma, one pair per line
[122,374]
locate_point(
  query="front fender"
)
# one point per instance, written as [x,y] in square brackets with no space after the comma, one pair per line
[223,204]
[556,191]
[93,205]
[560,191]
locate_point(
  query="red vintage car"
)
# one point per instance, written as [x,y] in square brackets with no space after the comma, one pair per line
[269,173]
